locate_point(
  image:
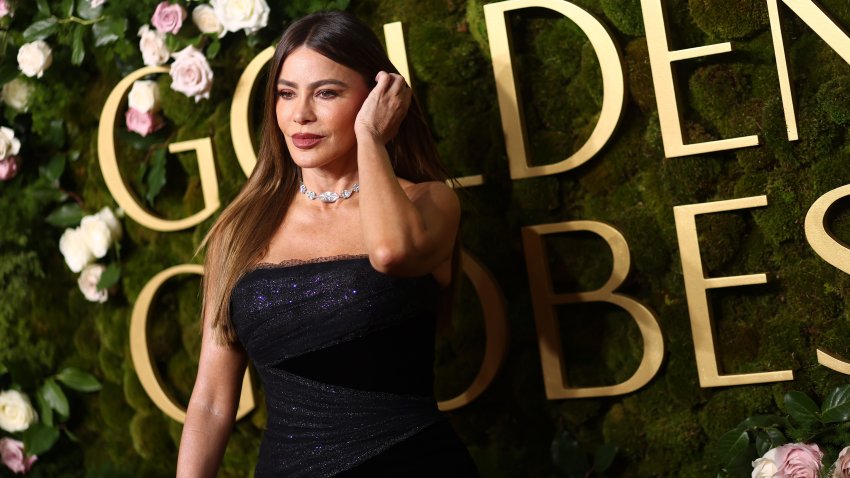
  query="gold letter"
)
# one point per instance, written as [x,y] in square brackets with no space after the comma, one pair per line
[660,60]
[696,285]
[496,327]
[140,354]
[832,251]
[509,101]
[112,175]
[240,112]
[548,331]
[825,28]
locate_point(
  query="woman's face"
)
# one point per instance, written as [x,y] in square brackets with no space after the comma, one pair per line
[317,103]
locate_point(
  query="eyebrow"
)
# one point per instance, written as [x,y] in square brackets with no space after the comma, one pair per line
[314,84]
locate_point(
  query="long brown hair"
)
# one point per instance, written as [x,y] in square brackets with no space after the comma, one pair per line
[242,233]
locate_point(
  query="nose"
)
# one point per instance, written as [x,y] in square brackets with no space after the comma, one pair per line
[303,113]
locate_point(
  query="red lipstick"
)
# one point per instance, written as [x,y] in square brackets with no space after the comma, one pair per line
[306,140]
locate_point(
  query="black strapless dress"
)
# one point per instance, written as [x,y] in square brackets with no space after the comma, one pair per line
[345,355]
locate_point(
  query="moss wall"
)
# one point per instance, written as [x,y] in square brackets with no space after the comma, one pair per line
[667,428]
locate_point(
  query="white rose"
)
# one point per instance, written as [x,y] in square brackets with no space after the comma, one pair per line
[152,45]
[16,412]
[88,283]
[34,58]
[191,73]
[248,15]
[144,96]
[111,221]
[16,94]
[73,246]
[204,17]
[96,3]
[9,144]
[96,234]
[765,467]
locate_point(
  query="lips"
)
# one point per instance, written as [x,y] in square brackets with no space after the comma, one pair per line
[306,140]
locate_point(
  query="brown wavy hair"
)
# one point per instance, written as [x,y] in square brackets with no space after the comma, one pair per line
[241,234]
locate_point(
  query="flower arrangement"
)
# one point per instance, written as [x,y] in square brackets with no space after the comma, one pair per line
[809,428]
[89,241]
[26,433]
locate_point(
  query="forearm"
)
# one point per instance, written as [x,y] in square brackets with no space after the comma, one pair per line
[202,444]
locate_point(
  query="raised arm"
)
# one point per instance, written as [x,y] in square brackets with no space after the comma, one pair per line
[407,231]
[212,408]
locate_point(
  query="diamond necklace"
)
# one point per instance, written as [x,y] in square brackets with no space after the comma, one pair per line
[329,196]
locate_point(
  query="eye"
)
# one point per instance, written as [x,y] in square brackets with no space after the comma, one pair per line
[327,94]
[285,94]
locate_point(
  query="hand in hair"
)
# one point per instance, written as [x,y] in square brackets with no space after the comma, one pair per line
[384,108]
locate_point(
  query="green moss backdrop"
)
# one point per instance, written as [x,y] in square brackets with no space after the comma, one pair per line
[670,427]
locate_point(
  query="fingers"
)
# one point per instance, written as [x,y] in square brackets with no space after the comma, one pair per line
[392,83]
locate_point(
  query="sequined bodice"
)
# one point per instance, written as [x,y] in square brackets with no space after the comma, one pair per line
[345,355]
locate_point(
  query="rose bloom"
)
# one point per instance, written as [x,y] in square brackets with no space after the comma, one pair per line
[9,167]
[248,15]
[88,283]
[765,467]
[73,247]
[142,123]
[96,234]
[144,96]
[9,144]
[203,16]
[842,465]
[153,47]
[96,3]
[798,460]
[108,217]
[168,18]
[16,412]
[5,8]
[34,58]
[191,73]
[13,456]
[16,94]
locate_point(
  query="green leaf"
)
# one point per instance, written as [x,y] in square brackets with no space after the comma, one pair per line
[109,277]
[66,9]
[776,437]
[85,10]
[214,48]
[78,380]
[45,412]
[54,168]
[53,394]
[67,215]
[70,435]
[3,369]
[568,456]
[732,444]
[801,407]
[109,30]
[836,407]
[762,421]
[8,72]
[41,29]
[39,438]
[43,7]
[78,50]
[604,457]
[156,175]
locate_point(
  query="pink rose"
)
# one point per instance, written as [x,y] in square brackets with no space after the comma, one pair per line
[168,18]
[5,8]
[191,73]
[143,123]
[842,465]
[9,167]
[798,460]
[12,452]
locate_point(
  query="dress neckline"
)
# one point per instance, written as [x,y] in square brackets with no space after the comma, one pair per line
[287,263]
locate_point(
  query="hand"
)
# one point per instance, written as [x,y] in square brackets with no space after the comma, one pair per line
[384,109]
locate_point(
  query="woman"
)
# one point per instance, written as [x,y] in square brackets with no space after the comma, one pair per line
[333,296]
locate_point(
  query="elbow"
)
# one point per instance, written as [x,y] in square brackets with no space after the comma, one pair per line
[388,259]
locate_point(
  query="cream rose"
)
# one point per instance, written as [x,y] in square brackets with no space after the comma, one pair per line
[765,467]
[9,144]
[96,234]
[191,73]
[16,94]
[144,96]
[203,16]
[152,45]
[73,246]
[16,412]
[107,216]
[248,15]
[34,58]
[88,283]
